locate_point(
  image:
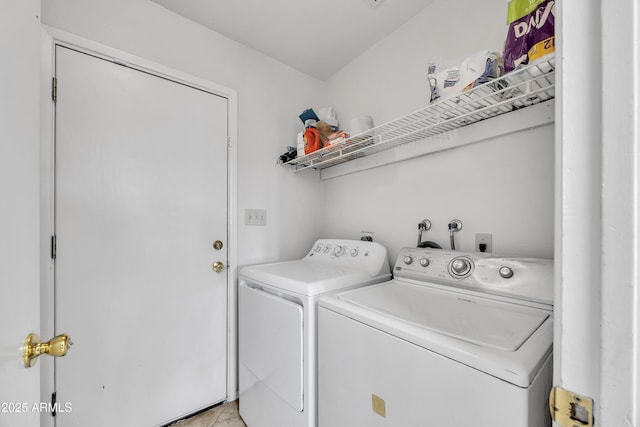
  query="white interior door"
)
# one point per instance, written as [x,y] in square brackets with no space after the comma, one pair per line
[141,196]
[19,195]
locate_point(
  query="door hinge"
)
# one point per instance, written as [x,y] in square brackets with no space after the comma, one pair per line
[53,404]
[54,89]
[53,246]
[228,142]
[569,409]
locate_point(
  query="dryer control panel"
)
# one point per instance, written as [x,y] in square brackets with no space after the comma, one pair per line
[359,254]
[529,279]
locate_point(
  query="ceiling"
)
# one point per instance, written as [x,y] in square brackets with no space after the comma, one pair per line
[315,37]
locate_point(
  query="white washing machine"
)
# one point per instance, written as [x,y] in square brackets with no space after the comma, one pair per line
[277,327]
[454,340]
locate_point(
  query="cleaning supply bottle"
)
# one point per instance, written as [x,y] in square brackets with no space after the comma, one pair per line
[311,137]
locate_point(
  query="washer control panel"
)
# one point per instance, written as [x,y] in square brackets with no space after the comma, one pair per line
[529,279]
[461,267]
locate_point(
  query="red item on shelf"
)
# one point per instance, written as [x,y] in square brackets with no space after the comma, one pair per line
[311,140]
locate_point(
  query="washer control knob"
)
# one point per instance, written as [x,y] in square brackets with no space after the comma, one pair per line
[424,262]
[339,250]
[408,260]
[506,272]
[325,249]
[460,267]
[354,252]
[317,248]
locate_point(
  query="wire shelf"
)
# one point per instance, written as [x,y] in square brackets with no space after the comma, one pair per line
[519,89]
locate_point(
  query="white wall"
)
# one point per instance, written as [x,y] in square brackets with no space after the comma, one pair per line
[271,96]
[390,79]
[503,186]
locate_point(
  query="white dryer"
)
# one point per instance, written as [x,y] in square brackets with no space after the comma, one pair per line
[454,340]
[277,332]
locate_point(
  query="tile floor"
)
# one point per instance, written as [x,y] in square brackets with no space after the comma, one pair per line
[225,415]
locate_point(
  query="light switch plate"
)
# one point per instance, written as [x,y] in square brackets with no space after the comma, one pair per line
[255,217]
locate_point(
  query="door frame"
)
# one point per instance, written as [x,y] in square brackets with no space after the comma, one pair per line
[597,234]
[52,37]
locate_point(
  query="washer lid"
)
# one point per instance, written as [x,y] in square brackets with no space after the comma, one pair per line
[481,321]
[309,278]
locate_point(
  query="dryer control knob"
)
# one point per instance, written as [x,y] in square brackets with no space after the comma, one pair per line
[339,250]
[408,260]
[317,248]
[325,249]
[354,252]
[424,262]
[506,272]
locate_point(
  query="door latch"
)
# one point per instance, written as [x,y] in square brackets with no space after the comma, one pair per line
[569,409]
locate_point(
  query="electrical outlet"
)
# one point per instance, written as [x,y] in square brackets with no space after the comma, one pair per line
[366,235]
[485,240]
[255,217]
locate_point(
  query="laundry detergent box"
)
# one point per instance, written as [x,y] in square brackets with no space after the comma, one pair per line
[531,32]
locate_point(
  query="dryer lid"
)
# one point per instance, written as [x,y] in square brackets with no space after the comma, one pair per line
[482,321]
[309,278]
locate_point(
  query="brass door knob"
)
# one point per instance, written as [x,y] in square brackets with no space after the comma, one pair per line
[217,245]
[218,266]
[33,348]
